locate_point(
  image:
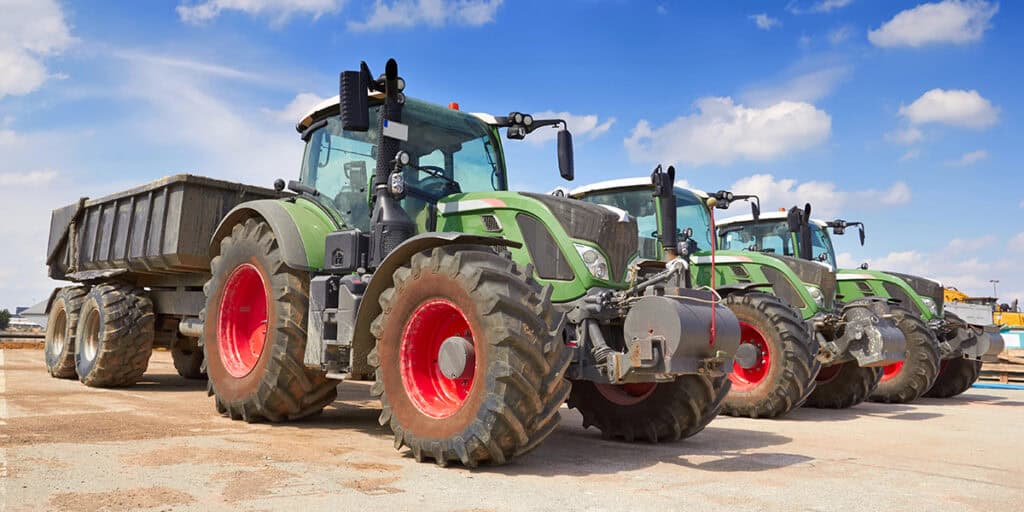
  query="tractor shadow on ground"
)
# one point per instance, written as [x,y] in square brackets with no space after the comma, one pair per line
[973,399]
[574,451]
[903,412]
[160,382]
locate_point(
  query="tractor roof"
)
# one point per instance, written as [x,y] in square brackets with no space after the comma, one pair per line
[764,216]
[610,185]
[332,104]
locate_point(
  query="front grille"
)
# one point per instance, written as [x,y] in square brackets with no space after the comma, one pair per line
[547,258]
[783,288]
[925,287]
[814,274]
[593,223]
[897,292]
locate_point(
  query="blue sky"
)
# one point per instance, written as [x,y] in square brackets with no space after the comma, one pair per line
[901,114]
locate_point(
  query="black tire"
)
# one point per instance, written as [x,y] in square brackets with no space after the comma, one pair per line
[61,329]
[189,362]
[770,322]
[906,381]
[667,411]
[955,376]
[510,404]
[843,385]
[115,336]
[277,386]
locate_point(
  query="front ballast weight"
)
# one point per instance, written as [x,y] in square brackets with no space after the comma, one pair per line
[865,333]
[656,337]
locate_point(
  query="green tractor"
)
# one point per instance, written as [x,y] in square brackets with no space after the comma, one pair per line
[478,311]
[798,344]
[959,348]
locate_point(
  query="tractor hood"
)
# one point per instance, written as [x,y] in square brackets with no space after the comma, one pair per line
[924,287]
[812,273]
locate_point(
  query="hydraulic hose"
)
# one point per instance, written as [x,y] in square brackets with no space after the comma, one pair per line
[600,350]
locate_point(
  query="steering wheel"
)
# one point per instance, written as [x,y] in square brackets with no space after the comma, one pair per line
[436,186]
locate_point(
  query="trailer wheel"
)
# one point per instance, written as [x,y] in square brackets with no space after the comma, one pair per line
[657,412]
[904,381]
[61,329]
[115,336]
[466,367]
[843,385]
[255,331]
[784,374]
[189,362]
[955,376]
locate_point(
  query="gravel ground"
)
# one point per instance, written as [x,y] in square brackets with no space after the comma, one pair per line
[160,446]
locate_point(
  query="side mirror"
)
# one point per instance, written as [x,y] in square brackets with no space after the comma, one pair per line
[862,234]
[793,219]
[353,100]
[807,211]
[565,155]
[755,210]
[864,266]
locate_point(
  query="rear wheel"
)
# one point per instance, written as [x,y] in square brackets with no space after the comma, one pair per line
[467,369]
[904,381]
[115,336]
[843,385]
[656,412]
[955,377]
[255,331]
[61,329]
[783,375]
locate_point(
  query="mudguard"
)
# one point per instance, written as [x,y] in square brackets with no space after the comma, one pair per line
[281,217]
[369,309]
[730,289]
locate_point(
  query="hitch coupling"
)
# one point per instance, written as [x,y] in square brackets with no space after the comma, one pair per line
[866,333]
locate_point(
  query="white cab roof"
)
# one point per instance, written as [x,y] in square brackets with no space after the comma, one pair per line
[332,102]
[764,216]
[624,183]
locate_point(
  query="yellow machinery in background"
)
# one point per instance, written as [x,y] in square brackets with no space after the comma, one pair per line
[1006,315]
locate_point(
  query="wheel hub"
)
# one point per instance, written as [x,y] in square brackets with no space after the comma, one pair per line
[242,320]
[748,356]
[59,338]
[455,357]
[438,358]
[91,342]
[752,361]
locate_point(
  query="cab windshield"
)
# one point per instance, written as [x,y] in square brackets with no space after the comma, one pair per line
[690,213]
[774,237]
[450,152]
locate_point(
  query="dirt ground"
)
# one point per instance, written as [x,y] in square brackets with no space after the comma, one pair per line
[161,446]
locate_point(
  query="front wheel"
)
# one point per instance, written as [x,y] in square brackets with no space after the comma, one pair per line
[255,331]
[467,369]
[955,377]
[843,385]
[904,381]
[666,411]
[783,374]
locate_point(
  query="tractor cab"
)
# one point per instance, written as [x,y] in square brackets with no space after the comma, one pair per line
[771,234]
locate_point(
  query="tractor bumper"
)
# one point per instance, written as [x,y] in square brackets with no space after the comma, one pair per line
[666,337]
[976,342]
[868,335]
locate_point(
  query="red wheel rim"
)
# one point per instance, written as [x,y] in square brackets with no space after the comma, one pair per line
[942,366]
[828,373]
[745,379]
[242,320]
[890,371]
[433,393]
[626,394]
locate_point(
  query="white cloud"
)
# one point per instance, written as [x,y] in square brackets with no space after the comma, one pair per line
[910,154]
[279,10]
[589,126]
[826,198]
[949,21]
[30,31]
[955,107]
[722,131]
[807,87]
[765,22]
[434,13]
[817,7]
[1016,244]
[970,158]
[905,136]
[840,34]
[298,107]
[11,179]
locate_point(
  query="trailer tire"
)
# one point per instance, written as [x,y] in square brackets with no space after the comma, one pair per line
[785,377]
[505,401]
[115,336]
[61,329]
[267,304]
[189,362]
[907,380]
[655,412]
[843,385]
[955,376]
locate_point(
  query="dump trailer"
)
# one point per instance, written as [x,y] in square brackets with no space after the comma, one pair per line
[143,255]
[937,339]
[399,253]
[798,344]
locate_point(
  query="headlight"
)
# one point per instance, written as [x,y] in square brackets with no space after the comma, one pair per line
[816,294]
[931,305]
[595,263]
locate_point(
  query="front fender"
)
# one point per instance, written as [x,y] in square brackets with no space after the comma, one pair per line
[369,309]
[300,229]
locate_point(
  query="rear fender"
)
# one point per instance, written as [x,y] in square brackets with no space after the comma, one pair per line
[300,230]
[369,309]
